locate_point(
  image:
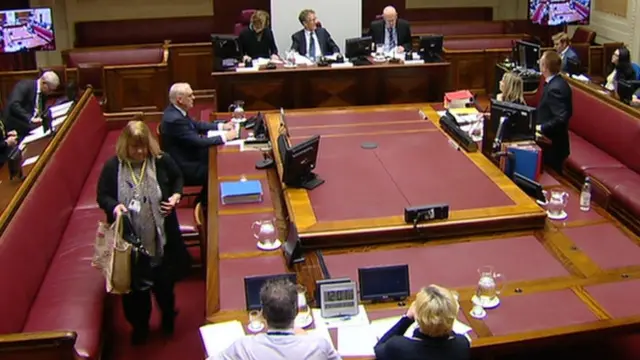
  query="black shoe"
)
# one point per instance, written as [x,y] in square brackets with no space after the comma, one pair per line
[168,323]
[139,336]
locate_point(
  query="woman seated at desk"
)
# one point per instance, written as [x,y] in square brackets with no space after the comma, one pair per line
[435,311]
[257,40]
[621,68]
[511,89]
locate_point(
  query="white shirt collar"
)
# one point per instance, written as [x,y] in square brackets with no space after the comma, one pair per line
[564,51]
[548,80]
[184,113]
[38,90]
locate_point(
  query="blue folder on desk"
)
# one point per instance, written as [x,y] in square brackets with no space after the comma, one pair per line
[241,192]
[526,162]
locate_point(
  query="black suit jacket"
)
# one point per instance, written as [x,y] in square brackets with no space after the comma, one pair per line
[554,111]
[395,346]
[378,32]
[20,107]
[4,147]
[569,55]
[183,139]
[327,45]
[170,180]
[254,48]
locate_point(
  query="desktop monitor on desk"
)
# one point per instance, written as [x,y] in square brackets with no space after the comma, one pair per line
[527,55]
[357,50]
[431,47]
[626,89]
[512,122]
[299,161]
[226,52]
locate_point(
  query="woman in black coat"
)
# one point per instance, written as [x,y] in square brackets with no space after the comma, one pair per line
[146,185]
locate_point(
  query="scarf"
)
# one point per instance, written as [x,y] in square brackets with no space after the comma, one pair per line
[139,182]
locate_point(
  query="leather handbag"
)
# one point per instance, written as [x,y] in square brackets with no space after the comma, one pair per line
[140,269]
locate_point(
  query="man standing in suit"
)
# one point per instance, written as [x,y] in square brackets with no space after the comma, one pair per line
[554,111]
[186,141]
[26,105]
[561,44]
[312,41]
[394,33]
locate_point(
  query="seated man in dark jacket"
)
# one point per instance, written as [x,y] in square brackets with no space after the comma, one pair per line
[312,41]
[186,141]
[394,33]
[26,105]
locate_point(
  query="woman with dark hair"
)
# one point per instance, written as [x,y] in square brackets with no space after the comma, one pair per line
[621,68]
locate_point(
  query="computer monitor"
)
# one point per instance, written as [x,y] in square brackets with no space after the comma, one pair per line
[327,281]
[258,126]
[253,284]
[529,186]
[626,89]
[226,52]
[299,161]
[292,247]
[527,55]
[519,122]
[384,282]
[431,47]
[573,66]
[356,48]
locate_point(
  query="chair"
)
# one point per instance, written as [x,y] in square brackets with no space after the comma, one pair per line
[92,74]
[583,35]
[198,215]
[243,20]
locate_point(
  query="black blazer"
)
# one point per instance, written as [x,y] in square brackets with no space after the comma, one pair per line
[395,346]
[20,107]
[182,139]
[569,55]
[170,181]
[327,45]
[378,31]
[554,111]
[253,47]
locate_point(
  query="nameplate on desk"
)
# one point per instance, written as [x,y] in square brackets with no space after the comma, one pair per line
[247,69]
[342,65]
[414,62]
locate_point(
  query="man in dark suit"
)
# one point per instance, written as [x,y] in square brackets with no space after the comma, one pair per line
[26,104]
[554,111]
[561,44]
[394,33]
[186,141]
[312,41]
[8,140]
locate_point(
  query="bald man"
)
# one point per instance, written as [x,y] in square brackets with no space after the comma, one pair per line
[394,33]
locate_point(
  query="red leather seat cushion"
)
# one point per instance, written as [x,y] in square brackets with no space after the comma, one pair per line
[585,156]
[72,294]
[87,198]
[186,220]
[624,185]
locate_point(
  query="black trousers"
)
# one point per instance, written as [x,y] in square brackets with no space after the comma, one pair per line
[137,304]
[198,176]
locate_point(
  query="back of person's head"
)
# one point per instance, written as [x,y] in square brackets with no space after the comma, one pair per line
[513,88]
[260,19]
[279,300]
[136,134]
[436,309]
[552,61]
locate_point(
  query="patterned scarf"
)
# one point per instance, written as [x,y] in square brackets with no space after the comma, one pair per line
[148,222]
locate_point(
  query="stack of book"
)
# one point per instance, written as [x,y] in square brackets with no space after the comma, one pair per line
[525,159]
[241,192]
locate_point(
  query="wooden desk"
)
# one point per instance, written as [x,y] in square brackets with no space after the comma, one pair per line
[13,192]
[312,86]
[563,282]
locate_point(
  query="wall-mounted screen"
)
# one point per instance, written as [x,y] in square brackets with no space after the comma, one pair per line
[27,29]
[560,12]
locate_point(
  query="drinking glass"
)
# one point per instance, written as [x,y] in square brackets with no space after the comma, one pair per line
[255,320]
[303,307]
[380,50]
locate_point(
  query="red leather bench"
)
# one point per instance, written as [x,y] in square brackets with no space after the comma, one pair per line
[604,146]
[122,56]
[482,43]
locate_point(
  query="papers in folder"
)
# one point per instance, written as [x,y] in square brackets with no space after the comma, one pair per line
[218,337]
[241,192]
[468,120]
[60,109]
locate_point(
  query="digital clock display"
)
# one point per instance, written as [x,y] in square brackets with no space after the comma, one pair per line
[338,299]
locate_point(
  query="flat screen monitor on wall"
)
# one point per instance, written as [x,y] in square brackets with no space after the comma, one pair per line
[560,12]
[26,29]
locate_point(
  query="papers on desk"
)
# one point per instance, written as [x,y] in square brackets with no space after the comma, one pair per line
[321,331]
[30,160]
[218,337]
[60,109]
[35,135]
[468,120]
[212,133]
[581,77]
[356,340]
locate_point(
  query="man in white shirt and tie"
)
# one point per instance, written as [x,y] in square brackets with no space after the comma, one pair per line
[312,41]
[27,101]
[391,31]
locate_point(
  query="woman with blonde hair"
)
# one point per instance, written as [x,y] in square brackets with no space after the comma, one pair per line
[257,40]
[511,89]
[435,310]
[145,184]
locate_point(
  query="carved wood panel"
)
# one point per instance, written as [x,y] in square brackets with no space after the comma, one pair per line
[192,64]
[468,70]
[137,89]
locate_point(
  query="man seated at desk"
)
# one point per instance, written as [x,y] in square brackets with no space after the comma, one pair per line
[561,44]
[312,41]
[186,141]
[26,104]
[394,33]
[554,111]
[257,40]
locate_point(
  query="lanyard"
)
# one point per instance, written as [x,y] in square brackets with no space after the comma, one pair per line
[283,333]
[137,180]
